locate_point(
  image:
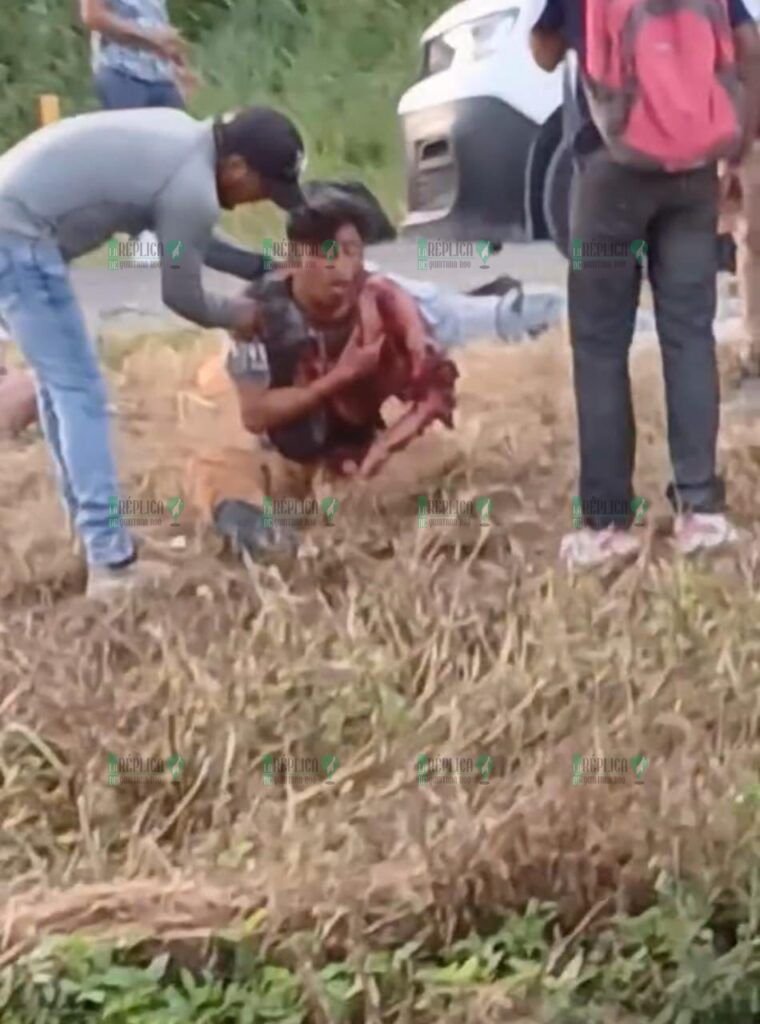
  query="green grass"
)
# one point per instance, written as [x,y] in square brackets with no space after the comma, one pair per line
[676,963]
[340,77]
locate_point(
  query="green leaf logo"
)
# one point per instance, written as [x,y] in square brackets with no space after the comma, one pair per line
[268,770]
[330,765]
[330,248]
[483,508]
[639,250]
[175,506]
[175,764]
[639,763]
[422,767]
[484,251]
[175,252]
[329,507]
[484,764]
[576,506]
[639,508]
[577,769]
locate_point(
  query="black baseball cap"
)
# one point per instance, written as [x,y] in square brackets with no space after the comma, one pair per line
[269,143]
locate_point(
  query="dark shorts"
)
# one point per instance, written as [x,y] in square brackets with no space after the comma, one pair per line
[117,90]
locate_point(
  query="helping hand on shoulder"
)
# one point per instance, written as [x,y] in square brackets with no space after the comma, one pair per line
[247,321]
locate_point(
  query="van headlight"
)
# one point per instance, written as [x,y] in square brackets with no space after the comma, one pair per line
[471,41]
[485,33]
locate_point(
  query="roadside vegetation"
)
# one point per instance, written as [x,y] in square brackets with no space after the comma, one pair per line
[376,897]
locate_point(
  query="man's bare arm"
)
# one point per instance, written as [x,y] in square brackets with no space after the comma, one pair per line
[548,48]
[163,40]
[276,407]
[747,40]
[262,410]
[265,409]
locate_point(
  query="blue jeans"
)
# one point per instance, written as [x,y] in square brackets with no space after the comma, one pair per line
[455,319]
[43,316]
[117,90]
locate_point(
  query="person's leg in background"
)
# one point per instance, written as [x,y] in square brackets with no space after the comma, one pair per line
[609,204]
[117,90]
[456,319]
[749,252]
[683,271]
[165,94]
[18,401]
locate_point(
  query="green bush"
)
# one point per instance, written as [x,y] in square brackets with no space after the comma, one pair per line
[43,49]
[665,966]
[340,77]
[339,69]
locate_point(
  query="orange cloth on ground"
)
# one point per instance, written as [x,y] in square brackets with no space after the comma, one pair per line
[241,466]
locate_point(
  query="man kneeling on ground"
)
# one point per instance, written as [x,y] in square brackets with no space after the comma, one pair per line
[333,343]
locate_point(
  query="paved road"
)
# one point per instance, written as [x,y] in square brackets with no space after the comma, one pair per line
[130,299]
[134,295]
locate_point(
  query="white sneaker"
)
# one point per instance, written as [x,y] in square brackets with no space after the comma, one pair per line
[700,531]
[585,548]
[104,583]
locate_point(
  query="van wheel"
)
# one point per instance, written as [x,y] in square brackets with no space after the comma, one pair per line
[549,137]
[557,184]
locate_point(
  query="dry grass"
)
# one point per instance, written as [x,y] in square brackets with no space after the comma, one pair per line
[383,642]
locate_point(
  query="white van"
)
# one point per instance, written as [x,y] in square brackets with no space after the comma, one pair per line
[488,133]
[483,127]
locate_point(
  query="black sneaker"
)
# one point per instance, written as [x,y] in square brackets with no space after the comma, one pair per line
[243,525]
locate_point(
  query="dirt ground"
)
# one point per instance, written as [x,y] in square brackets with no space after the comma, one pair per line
[514,441]
[382,640]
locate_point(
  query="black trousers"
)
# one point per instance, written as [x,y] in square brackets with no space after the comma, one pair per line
[612,206]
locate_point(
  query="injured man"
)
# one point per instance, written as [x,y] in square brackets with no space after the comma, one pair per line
[334,342]
[500,308]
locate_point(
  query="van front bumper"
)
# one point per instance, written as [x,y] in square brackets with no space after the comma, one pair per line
[467,170]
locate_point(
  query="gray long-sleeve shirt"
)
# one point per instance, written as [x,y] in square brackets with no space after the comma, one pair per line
[80,180]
